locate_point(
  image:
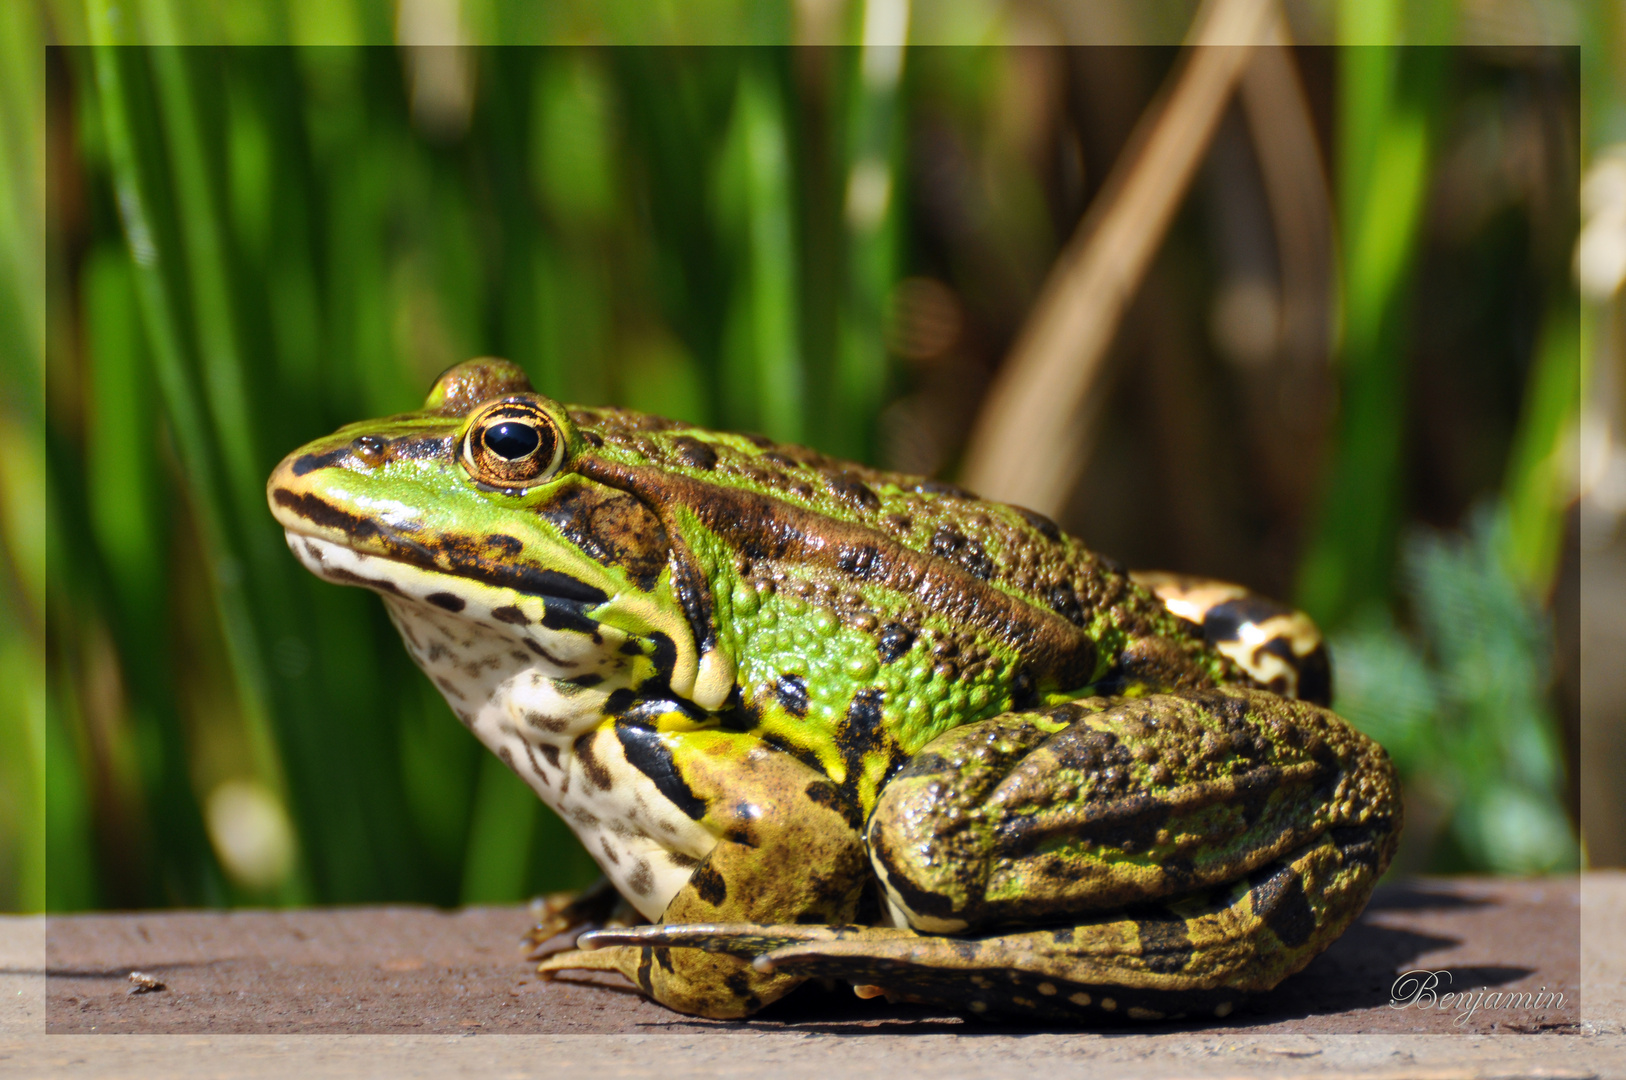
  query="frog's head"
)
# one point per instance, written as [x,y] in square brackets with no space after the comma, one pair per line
[472,521]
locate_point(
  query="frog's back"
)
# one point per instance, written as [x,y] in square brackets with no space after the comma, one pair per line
[960,599]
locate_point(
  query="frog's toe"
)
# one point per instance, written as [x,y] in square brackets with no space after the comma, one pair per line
[558,919]
[747,941]
[624,959]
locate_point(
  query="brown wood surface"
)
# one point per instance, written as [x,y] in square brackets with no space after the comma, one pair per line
[404,969]
[409,973]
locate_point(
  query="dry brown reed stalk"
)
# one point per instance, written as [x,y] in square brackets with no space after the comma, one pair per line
[1027,444]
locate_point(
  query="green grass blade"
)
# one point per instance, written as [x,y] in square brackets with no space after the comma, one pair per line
[1386,145]
[873,222]
[1539,483]
[22,466]
[763,380]
[500,829]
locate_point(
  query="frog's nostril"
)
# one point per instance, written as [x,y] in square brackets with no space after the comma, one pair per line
[512,440]
[369,445]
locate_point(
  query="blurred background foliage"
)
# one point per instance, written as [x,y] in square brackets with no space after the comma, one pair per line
[1351,375]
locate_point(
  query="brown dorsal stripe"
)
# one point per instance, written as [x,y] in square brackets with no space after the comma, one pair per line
[768,528]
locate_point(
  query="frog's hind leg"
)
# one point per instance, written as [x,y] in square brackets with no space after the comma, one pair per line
[1097,805]
[1279,647]
[1192,957]
[1196,843]
[1195,956]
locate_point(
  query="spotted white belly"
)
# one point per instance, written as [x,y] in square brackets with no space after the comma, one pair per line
[508,682]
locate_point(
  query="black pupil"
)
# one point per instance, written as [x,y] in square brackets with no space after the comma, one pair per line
[512,440]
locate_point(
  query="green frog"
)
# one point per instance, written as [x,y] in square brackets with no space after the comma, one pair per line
[818,720]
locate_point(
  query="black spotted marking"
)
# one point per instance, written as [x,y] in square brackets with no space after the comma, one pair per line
[563,615]
[446,600]
[1315,677]
[860,735]
[504,544]
[1063,601]
[709,885]
[584,682]
[649,754]
[309,463]
[597,774]
[864,715]
[646,961]
[663,654]
[739,984]
[546,655]
[853,492]
[823,793]
[544,722]
[694,453]
[950,543]
[641,879]
[536,766]
[792,693]
[857,560]
[1359,844]
[1024,691]
[894,641]
[1045,527]
[1277,897]
[511,615]
[1165,946]
[1224,622]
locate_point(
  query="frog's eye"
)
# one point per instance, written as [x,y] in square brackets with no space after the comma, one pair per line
[512,444]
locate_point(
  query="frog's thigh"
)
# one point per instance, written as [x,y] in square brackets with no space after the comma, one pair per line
[1099,804]
[788,853]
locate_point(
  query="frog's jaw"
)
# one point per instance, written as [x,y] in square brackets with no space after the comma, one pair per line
[536,696]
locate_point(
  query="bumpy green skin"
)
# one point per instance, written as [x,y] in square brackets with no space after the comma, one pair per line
[881,694]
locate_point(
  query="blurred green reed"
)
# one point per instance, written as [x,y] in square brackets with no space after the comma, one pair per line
[1460,695]
[283,244]
[282,240]
[22,464]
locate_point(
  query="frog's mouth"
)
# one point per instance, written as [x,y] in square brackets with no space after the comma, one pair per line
[481,578]
[490,562]
[350,549]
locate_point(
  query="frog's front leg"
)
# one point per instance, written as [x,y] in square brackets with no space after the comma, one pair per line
[788,852]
